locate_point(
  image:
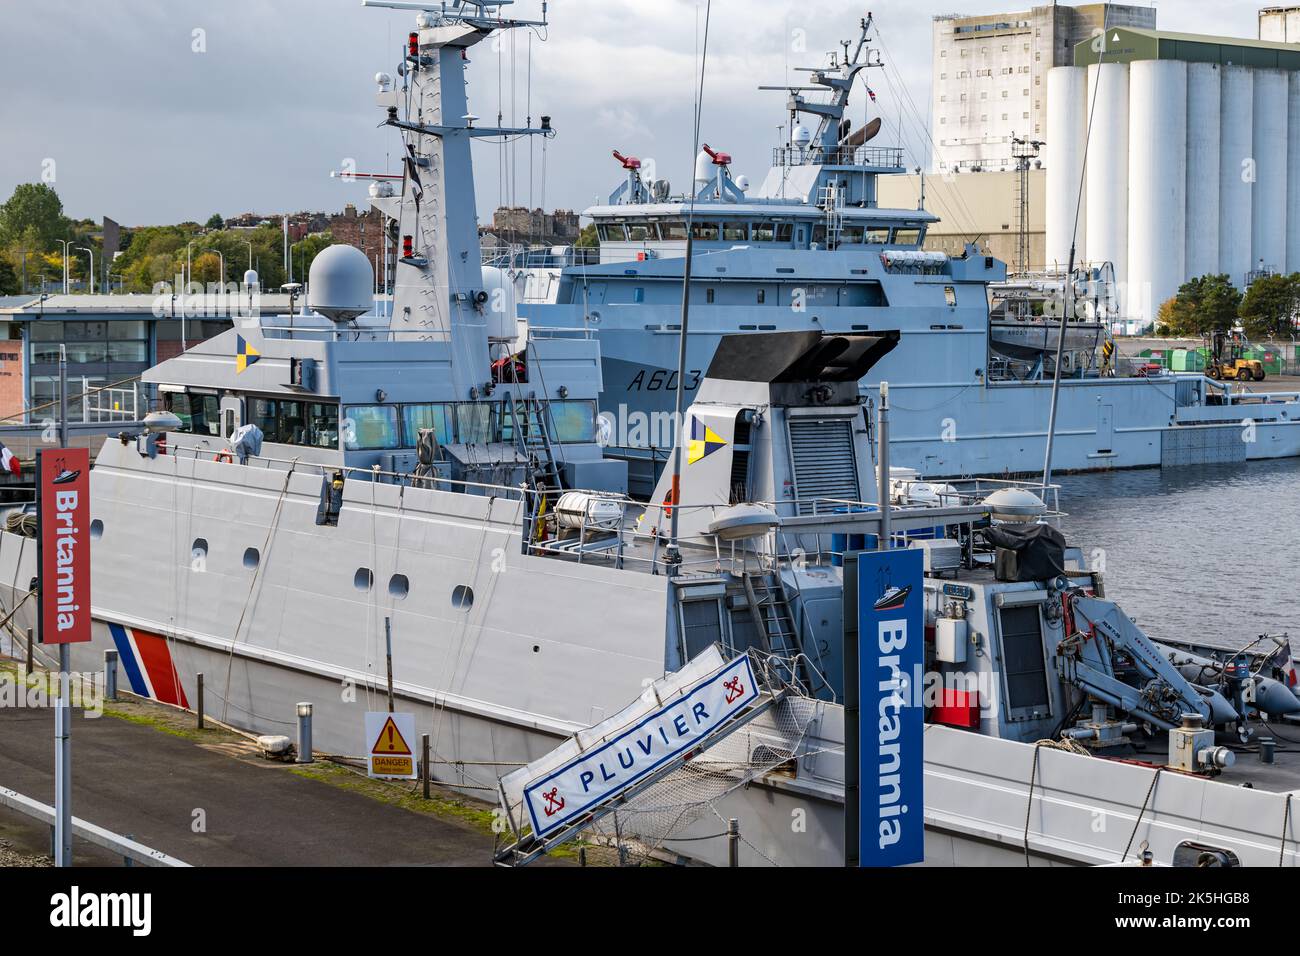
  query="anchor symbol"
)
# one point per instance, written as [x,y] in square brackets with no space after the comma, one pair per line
[554,802]
[734,688]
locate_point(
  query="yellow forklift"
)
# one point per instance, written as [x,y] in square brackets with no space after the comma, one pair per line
[1225,358]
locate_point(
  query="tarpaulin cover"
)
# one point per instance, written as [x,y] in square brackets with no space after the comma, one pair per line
[1038,550]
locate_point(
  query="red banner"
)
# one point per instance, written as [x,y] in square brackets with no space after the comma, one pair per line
[63,513]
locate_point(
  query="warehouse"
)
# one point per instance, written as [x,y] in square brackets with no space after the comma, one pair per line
[1191,165]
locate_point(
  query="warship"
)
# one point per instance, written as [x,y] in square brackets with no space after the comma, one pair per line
[352,507]
[810,247]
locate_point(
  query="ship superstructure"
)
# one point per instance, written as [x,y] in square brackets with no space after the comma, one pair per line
[810,248]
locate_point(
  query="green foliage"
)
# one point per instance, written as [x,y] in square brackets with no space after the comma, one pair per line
[215,222]
[1270,306]
[1202,305]
[9,281]
[32,218]
[304,251]
[588,238]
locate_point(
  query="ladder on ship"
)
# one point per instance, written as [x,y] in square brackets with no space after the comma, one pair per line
[831,198]
[530,426]
[774,620]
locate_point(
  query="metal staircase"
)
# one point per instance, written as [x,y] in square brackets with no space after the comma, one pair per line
[530,427]
[769,606]
[831,199]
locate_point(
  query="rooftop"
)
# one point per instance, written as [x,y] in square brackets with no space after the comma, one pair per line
[1126,44]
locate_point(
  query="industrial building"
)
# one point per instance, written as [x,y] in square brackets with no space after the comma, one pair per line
[1280,24]
[989,76]
[1192,160]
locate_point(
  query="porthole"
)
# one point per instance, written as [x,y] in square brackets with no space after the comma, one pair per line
[399,586]
[97,528]
[363,579]
[462,597]
[251,558]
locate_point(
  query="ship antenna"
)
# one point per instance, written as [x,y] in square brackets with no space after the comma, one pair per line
[672,556]
[1067,304]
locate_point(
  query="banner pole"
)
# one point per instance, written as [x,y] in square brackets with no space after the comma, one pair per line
[63,763]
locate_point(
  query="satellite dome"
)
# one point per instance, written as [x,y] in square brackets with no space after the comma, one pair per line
[424,19]
[1014,505]
[380,189]
[341,283]
[250,278]
[800,136]
[742,183]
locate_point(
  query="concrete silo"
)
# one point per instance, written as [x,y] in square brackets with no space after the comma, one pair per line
[1203,136]
[1293,174]
[1269,132]
[1157,181]
[1067,126]
[1236,171]
[1106,236]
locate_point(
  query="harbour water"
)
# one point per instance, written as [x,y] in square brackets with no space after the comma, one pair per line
[1207,554]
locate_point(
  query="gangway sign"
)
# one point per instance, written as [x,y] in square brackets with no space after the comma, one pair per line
[388,745]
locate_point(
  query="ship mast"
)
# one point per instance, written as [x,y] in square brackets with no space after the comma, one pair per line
[438,292]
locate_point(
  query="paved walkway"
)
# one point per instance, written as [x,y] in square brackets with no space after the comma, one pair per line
[133,778]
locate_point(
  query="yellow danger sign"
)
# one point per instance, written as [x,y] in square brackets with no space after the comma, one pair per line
[388,743]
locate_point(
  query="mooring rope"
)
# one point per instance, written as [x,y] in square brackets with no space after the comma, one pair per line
[1138,821]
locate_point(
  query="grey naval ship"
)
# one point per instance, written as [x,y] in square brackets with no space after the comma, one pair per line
[320,490]
[810,248]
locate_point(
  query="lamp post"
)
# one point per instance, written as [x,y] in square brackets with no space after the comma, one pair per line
[91,253]
[189,269]
[249,243]
[65,243]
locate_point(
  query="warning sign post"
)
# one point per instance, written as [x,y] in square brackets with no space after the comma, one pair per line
[388,745]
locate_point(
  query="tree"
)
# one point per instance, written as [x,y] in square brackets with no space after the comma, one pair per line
[33,216]
[9,283]
[1269,306]
[207,267]
[588,238]
[1203,305]
[215,222]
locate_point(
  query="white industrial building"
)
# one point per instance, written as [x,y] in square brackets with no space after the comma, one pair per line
[989,76]
[1192,165]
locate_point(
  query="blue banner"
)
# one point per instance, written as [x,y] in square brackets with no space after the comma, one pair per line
[891,642]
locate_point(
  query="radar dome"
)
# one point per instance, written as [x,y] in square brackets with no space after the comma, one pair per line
[250,279]
[800,136]
[341,283]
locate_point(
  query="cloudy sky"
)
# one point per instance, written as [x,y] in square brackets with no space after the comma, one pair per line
[154,111]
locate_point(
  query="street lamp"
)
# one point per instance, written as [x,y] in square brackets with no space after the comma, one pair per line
[249,243]
[65,243]
[91,253]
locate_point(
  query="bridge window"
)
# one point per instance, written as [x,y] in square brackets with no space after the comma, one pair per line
[706,230]
[851,235]
[735,231]
[474,423]
[199,414]
[876,235]
[638,232]
[417,417]
[291,422]
[611,231]
[907,237]
[674,230]
[370,427]
[574,421]
[784,231]
[763,232]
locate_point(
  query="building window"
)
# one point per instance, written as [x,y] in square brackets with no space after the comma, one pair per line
[199,414]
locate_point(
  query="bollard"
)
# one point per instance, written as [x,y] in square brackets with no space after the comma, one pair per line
[582,856]
[304,732]
[1267,747]
[29,652]
[733,842]
[110,675]
[424,763]
[198,698]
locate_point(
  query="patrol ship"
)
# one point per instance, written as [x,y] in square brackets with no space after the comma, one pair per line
[810,248]
[323,496]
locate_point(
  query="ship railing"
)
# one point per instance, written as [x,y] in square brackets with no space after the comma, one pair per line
[878,157]
[639,538]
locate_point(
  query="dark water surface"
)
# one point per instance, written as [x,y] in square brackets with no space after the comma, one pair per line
[1209,554]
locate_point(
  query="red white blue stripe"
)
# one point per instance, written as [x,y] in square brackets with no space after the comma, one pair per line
[147,660]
